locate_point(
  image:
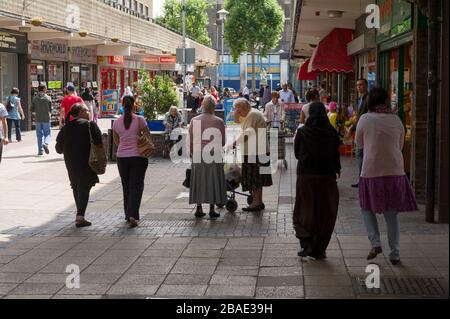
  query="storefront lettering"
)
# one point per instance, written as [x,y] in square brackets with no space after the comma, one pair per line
[48,47]
[7,41]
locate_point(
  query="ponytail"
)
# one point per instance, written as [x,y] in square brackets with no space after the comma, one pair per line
[74,111]
[128,103]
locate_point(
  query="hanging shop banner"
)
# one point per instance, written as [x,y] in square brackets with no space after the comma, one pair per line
[395,18]
[228,112]
[11,42]
[292,119]
[52,50]
[168,59]
[83,55]
[110,102]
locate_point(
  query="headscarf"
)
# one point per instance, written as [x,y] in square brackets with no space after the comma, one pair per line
[128,92]
[333,106]
[318,135]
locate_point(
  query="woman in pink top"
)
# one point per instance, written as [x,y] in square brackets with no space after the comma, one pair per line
[132,166]
[384,187]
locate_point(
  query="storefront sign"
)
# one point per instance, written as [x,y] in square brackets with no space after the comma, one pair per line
[395,19]
[292,118]
[81,55]
[54,50]
[110,102]
[116,60]
[12,42]
[167,59]
[151,59]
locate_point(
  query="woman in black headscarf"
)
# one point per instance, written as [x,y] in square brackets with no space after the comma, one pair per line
[317,196]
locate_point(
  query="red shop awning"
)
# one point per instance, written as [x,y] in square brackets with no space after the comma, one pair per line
[303,73]
[331,53]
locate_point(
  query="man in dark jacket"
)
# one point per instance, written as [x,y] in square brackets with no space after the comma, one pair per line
[362,87]
[41,105]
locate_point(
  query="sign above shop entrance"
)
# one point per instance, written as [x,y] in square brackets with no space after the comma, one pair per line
[167,59]
[12,42]
[55,50]
[83,55]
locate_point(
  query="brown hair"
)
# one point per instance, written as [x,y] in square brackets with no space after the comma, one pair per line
[275,94]
[128,103]
[312,95]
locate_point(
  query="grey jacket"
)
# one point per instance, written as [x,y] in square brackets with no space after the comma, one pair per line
[42,106]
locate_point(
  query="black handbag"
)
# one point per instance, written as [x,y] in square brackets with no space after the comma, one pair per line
[187,181]
[9,106]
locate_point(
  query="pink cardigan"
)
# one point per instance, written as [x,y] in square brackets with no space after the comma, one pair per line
[381,136]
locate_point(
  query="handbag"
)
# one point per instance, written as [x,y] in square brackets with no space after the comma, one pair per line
[145,145]
[97,156]
[187,181]
[9,106]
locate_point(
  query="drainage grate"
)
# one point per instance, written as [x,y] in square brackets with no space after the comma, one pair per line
[404,286]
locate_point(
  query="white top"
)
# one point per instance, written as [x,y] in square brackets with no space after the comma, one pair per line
[3,113]
[195,91]
[305,110]
[287,96]
[245,91]
[381,136]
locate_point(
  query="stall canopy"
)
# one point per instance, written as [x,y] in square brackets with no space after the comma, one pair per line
[303,73]
[331,53]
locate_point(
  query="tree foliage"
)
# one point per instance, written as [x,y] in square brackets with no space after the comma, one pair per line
[253,25]
[157,94]
[196,18]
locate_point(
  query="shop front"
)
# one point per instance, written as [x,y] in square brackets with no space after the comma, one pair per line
[395,67]
[49,67]
[83,68]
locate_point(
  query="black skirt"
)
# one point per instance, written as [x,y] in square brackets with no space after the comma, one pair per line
[251,174]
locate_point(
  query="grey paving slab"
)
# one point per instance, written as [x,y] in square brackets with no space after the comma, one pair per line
[28,297]
[149,269]
[14,277]
[329,292]
[193,269]
[277,281]
[281,271]
[320,280]
[58,296]
[28,288]
[122,289]
[181,290]
[233,280]
[202,253]
[5,288]
[286,292]
[280,261]
[86,289]
[184,279]
[240,261]
[231,291]
[168,253]
[134,279]
[237,270]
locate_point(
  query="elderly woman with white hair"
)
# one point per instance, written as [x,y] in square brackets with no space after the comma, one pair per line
[206,141]
[255,152]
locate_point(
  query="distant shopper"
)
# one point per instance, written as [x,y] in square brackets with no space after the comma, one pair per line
[246,92]
[41,105]
[274,112]
[132,167]
[89,101]
[362,88]
[311,97]
[384,187]
[291,87]
[207,184]
[267,97]
[286,95]
[317,197]
[74,142]
[15,114]
[323,95]
[3,129]
[332,114]
[67,103]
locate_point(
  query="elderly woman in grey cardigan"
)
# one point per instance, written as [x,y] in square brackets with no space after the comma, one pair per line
[206,141]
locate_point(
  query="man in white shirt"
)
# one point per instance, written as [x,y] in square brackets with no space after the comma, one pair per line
[195,90]
[286,95]
[3,129]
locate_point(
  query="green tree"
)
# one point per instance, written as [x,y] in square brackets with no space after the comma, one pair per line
[253,26]
[157,94]
[196,18]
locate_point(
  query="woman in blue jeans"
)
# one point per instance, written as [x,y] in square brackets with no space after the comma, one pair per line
[383,187]
[15,114]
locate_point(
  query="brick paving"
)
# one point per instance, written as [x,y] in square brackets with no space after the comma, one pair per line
[173,255]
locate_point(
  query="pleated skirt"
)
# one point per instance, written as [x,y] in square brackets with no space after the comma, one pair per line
[208,184]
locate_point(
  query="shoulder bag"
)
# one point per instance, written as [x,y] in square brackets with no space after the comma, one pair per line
[9,105]
[97,156]
[145,144]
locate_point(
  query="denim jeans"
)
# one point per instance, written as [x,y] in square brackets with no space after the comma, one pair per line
[17,126]
[43,133]
[393,231]
[359,160]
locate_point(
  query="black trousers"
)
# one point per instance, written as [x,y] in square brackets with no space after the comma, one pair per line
[81,196]
[132,173]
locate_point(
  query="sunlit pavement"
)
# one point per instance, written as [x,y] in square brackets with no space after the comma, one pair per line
[171,254]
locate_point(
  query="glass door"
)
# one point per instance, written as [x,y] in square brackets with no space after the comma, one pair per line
[8,74]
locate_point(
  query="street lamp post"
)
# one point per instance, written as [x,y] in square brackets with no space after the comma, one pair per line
[183,22]
[222,17]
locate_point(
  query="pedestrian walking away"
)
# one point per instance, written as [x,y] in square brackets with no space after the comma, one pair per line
[207,184]
[89,100]
[67,102]
[15,114]
[3,129]
[41,105]
[74,142]
[384,187]
[132,167]
[317,197]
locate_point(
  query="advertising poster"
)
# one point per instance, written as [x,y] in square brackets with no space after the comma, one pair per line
[292,120]
[228,111]
[110,102]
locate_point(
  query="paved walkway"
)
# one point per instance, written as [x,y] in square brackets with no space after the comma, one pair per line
[173,255]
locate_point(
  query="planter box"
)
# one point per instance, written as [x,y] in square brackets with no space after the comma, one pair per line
[156,125]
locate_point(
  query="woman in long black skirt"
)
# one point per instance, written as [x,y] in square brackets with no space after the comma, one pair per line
[317,196]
